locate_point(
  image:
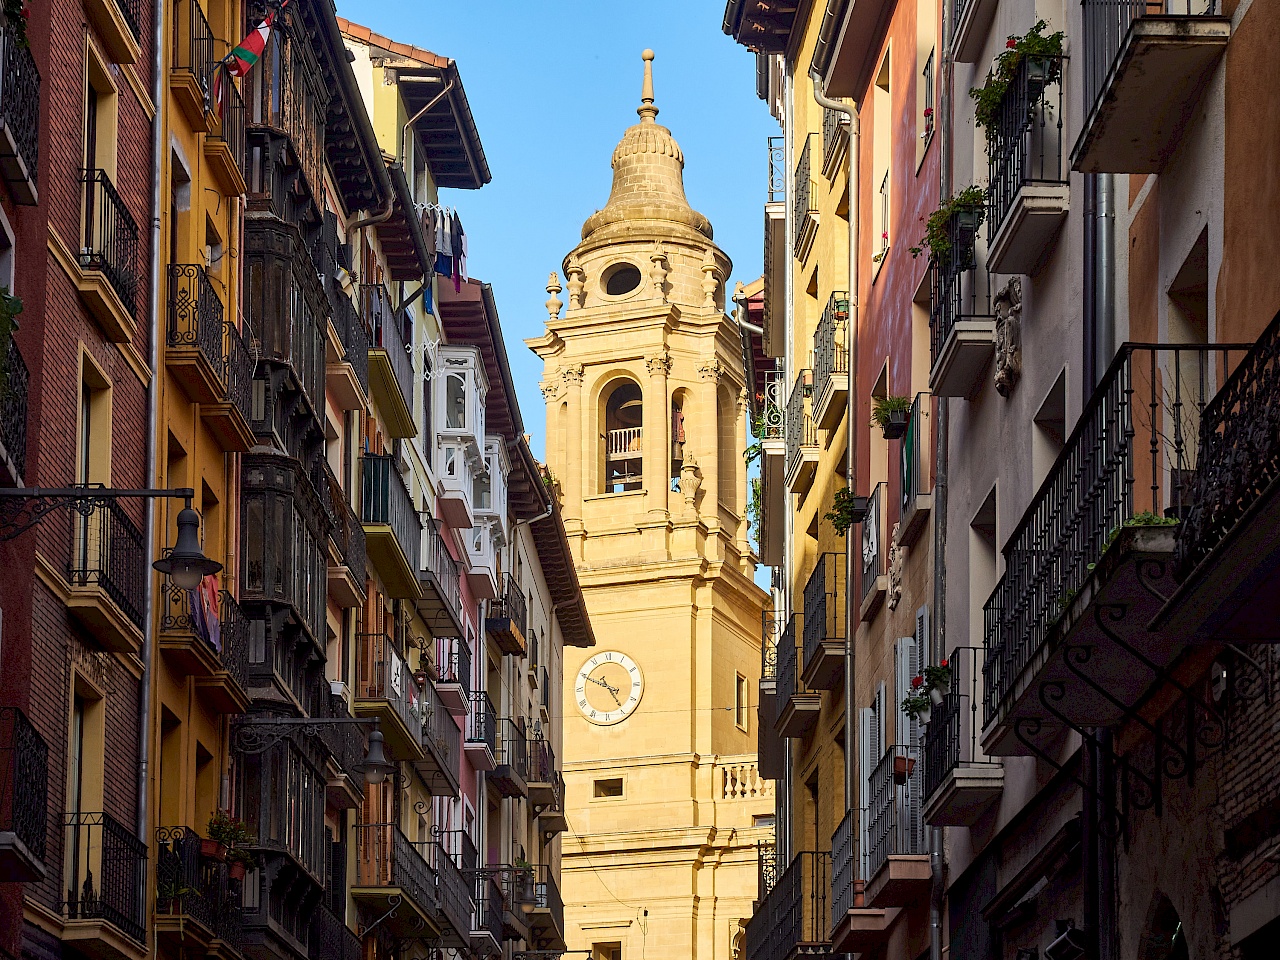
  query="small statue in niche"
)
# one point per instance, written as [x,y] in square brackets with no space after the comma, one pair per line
[897,555]
[1008,337]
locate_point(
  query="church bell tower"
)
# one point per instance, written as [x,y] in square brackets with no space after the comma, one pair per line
[646,433]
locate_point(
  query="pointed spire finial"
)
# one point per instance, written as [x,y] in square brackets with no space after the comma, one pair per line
[646,109]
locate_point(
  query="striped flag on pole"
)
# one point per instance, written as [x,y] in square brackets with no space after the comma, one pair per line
[243,56]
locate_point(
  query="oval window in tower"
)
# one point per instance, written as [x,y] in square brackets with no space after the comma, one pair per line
[621,278]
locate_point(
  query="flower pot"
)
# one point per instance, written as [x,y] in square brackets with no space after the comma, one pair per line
[896,425]
[902,767]
[237,870]
[858,511]
[924,715]
[936,694]
[213,849]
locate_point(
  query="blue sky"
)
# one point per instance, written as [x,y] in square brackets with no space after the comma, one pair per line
[552,87]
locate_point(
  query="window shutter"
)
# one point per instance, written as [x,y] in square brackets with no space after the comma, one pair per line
[864,776]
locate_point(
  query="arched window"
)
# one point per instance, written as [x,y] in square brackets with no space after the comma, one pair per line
[622,439]
[727,460]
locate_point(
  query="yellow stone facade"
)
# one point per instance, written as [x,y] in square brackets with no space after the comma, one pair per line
[646,426]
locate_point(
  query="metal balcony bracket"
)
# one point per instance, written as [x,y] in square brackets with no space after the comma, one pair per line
[1159,568]
[395,901]
[252,736]
[21,508]
[1028,729]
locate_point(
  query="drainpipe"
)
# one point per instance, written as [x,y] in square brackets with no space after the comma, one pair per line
[851,409]
[408,125]
[937,864]
[1105,272]
[153,403]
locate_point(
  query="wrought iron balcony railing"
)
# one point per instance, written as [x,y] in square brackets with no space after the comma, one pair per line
[386,500]
[105,873]
[385,857]
[961,287]
[789,682]
[107,551]
[489,902]
[388,335]
[824,607]
[951,735]
[193,47]
[804,203]
[794,915]
[777,169]
[455,663]
[195,887]
[110,242]
[196,315]
[482,721]
[830,343]
[844,866]
[1239,455]
[19,111]
[1134,454]
[513,747]
[440,571]
[895,824]
[875,558]
[1026,146]
[453,890]
[801,430]
[230,127]
[24,781]
[292,105]
[345,529]
[766,867]
[547,896]
[929,82]
[354,336]
[542,761]
[383,674]
[344,741]
[914,462]
[835,132]
[770,628]
[227,638]
[771,417]
[331,939]
[440,734]
[14,387]
[511,605]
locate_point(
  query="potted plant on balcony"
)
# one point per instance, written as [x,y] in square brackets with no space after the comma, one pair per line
[225,833]
[918,706]
[238,862]
[890,414]
[16,13]
[903,767]
[846,510]
[937,681]
[966,212]
[1044,68]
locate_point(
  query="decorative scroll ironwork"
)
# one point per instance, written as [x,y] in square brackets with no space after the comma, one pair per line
[773,409]
[777,169]
[191,885]
[482,722]
[20,100]
[770,624]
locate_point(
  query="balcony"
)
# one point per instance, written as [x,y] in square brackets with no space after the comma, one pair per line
[19,119]
[225,148]
[392,527]
[961,323]
[972,21]
[915,471]
[198,905]
[344,778]
[1028,195]
[551,817]
[210,645]
[507,622]
[897,843]
[855,927]
[624,452]
[192,66]
[510,775]
[486,918]
[24,786]
[824,623]
[386,690]
[802,435]
[481,744]
[14,386]
[543,775]
[546,921]
[391,871]
[875,555]
[960,783]
[453,890]
[440,603]
[283,551]
[458,391]
[118,23]
[1226,555]
[769,429]
[483,541]
[1090,563]
[518,897]
[791,920]
[105,865]
[831,362]
[347,363]
[776,260]
[1146,66]
[107,574]
[347,546]
[441,742]
[331,939]
[390,361]
[797,705]
[804,203]
[453,659]
[489,498]
[108,281]
[835,140]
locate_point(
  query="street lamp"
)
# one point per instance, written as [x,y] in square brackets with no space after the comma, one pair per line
[259,735]
[22,508]
[376,766]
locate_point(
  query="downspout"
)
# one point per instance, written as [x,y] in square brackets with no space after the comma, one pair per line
[1106,272]
[851,407]
[153,404]
[937,837]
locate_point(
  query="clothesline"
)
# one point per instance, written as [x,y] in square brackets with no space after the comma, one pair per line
[446,241]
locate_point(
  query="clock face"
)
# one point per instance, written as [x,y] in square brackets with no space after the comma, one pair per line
[608,688]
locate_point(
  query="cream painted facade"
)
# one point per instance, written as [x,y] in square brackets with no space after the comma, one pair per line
[646,425]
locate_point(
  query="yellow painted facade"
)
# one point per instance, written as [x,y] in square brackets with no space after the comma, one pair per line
[646,425]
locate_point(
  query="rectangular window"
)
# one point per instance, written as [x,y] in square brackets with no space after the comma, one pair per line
[740,701]
[611,787]
[606,951]
[881,161]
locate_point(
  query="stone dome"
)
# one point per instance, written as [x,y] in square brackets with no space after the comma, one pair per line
[648,173]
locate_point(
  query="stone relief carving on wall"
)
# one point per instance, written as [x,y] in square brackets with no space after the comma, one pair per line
[1008,366]
[897,557]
